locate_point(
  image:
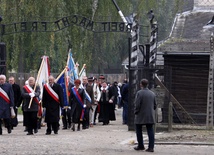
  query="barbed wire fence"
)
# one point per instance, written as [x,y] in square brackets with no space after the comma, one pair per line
[181,81]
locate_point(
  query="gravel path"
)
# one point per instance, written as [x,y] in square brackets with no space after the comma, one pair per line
[98,140]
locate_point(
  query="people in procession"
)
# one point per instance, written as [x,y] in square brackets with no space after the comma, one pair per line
[113,93]
[97,94]
[30,96]
[144,110]
[90,93]
[6,103]
[106,104]
[17,100]
[99,84]
[52,100]
[78,111]
[78,104]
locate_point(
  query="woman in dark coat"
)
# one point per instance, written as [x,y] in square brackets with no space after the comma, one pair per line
[106,105]
[77,103]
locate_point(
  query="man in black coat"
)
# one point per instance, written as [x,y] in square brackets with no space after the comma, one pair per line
[6,103]
[17,100]
[66,111]
[125,100]
[52,100]
[89,90]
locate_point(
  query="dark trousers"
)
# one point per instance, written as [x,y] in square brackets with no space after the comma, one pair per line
[125,112]
[85,122]
[31,120]
[52,126]
[14,121]
[150,133]
[66,118]
[95,114]
[7,123]
[0,126]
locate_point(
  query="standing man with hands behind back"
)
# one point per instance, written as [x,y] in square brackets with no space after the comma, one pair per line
[145,105]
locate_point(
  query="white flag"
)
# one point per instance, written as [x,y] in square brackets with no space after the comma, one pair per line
[43,74]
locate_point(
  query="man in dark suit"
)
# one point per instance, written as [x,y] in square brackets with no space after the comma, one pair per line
[6,103]
[52,100]
[66,110]
[17,100]
[145,105]
[89,90]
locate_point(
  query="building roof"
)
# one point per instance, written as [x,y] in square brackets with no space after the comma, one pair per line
[190,33]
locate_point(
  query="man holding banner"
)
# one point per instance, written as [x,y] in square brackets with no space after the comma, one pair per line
[31,112]
[52,100]
[6,103]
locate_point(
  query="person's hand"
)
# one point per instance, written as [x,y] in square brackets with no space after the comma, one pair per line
[84,105]
[32,95]
[110,101]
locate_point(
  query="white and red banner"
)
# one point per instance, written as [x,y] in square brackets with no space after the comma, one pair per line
[43,74]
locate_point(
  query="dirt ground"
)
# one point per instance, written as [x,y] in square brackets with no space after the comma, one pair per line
[103,140]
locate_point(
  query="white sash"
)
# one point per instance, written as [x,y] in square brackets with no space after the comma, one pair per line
[52,92]
[31,89]
[4,95]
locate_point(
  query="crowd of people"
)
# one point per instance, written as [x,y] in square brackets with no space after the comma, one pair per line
[91,101]
[86,99]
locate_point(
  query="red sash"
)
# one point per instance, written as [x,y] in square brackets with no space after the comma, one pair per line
[30,90]
[51,92]
[4,95]
[80,101]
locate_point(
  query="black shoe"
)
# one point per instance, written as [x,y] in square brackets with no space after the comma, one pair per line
[35,130]
[73,128]
[55,132]
[25,129]
[149,150]
[9,130]
[64,128]
[84,127]
[137,148]
[30,133]
[48,133]
[1,132]
[69,126]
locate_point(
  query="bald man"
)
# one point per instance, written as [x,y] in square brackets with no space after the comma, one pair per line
[52,100]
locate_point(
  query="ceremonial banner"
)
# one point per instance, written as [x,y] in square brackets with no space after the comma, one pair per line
[72,70]
[82,72]
[42,77]
[63,81]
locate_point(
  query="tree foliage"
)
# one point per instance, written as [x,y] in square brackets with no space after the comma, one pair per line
[97,50]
